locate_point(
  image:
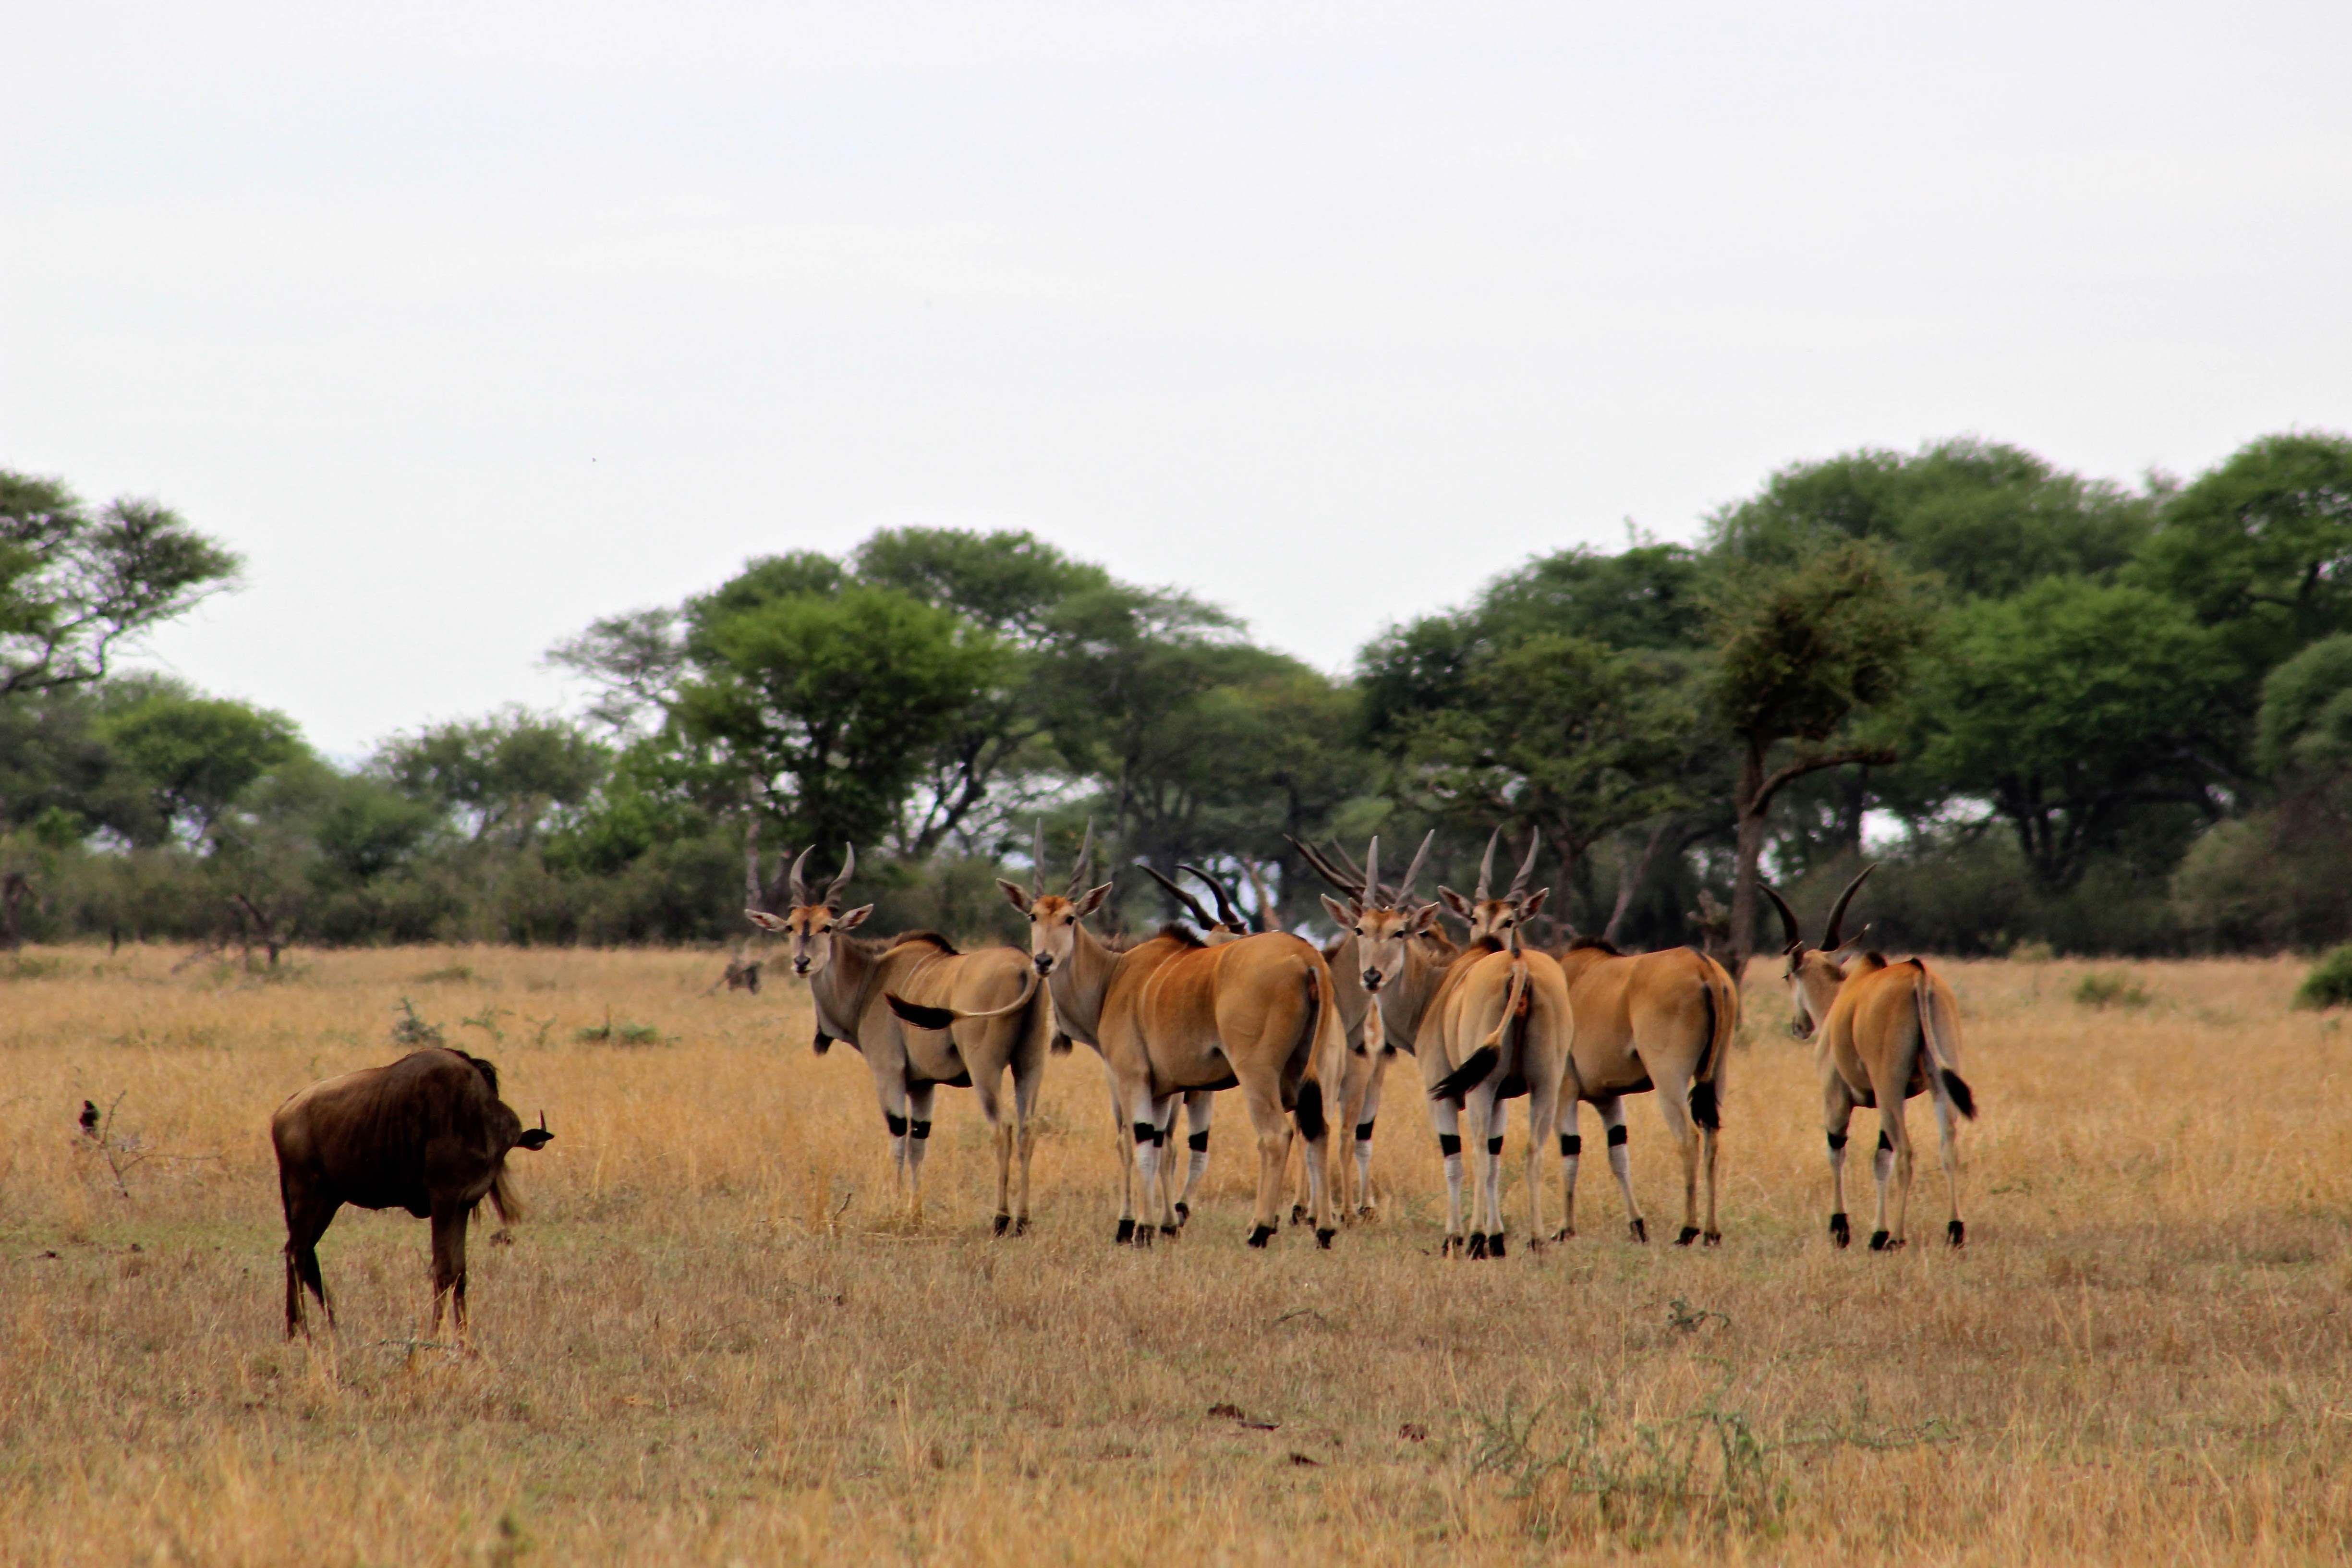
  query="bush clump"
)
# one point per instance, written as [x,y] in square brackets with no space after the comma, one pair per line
[2329,984]
[2104,988]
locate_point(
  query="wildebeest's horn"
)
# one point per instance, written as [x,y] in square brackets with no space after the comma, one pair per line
[800,880]
[1486,866]
[1323,867]
[1086,853]
[1527,865]
[1837,911]
[1187,899]
[1228,912]
[1420,856]
[1037,861]
[1789,926]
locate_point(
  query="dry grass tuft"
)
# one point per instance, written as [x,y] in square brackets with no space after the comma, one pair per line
[715,1342]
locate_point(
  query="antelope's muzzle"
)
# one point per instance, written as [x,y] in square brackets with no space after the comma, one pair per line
[1372,978]
[800,965]
[1044,963]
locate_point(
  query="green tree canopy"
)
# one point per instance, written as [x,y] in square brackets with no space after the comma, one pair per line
[498,777]
[192,757]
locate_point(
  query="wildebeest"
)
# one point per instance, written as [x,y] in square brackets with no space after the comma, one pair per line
[427,1133]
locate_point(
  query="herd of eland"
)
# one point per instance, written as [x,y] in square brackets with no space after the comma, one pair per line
[1304,1033]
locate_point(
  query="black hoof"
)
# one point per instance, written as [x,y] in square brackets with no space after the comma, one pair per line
[1711,1238]
[1841,1233]
[1878,1242]
[1003,1222]
[1143,1236]
[1183,1213]
[1955,1233]
[1323,1238]
[1126,1231]
[1499,1245]
[1565,1234]
[1021,1226]
[1449,1247]
[1261,1236]
[1170,1229]
[1689,1235]
[1478,1244]
[1298,1214]
[1640,1230]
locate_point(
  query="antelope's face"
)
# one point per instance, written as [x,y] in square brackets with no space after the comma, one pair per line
[1053,922]
[1380,936]
[1813,978]
[1498,919]
[808,930]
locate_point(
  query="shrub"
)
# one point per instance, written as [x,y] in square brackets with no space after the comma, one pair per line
[2109,988]
[2329,984]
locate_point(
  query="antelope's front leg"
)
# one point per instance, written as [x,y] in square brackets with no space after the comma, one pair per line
[890,1086]
[1144,1127]
[1571,1154]
[1125,1149]
[1363,1115]
[1446,1117]
[918,1142]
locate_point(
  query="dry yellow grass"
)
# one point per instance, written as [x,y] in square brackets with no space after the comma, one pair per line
[712,1343]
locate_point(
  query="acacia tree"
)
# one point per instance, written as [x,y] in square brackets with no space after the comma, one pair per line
[1800,652]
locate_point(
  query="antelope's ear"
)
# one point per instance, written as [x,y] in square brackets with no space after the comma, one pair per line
[1341,912]
[1534,901]
[765,921]
[1855,945]
[1424,918]
[855,917]
[1454,901]
[1014,893]
[1091,901]
[538,1137]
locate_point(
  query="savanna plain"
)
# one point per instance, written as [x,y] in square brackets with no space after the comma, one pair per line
[716,1338]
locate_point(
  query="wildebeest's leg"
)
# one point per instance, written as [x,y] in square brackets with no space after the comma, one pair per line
[918,1140]
[307,1219]
[449,1220]
[1837,1112]
[1445,1116]
[1620,1165]
[1272,1125]
[1199,1108]
[1955,1231]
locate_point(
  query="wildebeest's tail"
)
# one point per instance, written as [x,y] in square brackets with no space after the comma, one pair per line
[1940,1031]
[503,1196]
[1722,1019]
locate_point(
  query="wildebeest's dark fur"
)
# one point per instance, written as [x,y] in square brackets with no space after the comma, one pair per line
[427,1133]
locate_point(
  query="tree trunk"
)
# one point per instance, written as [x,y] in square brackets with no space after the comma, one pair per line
[1629,879]
[1749,803]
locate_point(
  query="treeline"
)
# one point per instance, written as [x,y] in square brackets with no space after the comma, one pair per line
[2061,711]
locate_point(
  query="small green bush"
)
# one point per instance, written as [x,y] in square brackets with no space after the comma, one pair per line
[2329,984]
[2110,988]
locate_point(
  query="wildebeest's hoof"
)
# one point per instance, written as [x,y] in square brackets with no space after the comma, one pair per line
[1640,1230]
[1003,1222]
[1841,1232]
[1126,1231]
[1183,1213]
[1260,1234]
[1477,1243]
[1499,1245]
[1710,1239]
[1323,1238]
[1955,1233]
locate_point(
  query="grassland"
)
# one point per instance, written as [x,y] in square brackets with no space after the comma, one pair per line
[714,1341]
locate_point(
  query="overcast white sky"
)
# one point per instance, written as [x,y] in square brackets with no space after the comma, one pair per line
[469,323]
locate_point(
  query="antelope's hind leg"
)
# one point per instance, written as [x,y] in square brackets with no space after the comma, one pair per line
[1621,1164]
[1955,1233]
[1837,1114]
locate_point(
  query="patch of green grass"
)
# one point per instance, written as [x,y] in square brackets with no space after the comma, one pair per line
[2329,983]
[456,974]
[624,1033]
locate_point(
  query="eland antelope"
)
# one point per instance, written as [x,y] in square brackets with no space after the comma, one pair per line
[1654,1020]
[1002,1024]
[1173,1014]
[1881,1033]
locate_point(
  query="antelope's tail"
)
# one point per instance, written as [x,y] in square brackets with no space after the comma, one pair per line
[1327,1047]
[1480,1064]
[926,1017]
[1940,1031]
[1722,1022]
